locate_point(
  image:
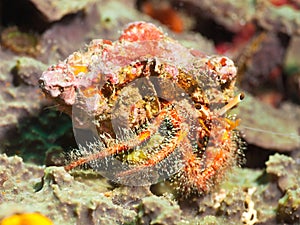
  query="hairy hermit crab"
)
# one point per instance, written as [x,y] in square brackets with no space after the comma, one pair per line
[145,108]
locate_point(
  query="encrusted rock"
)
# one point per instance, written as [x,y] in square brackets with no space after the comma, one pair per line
[289,207]
[285,18]
[284,168]
[56,194]
[267,127]
[158,210]
[55,10]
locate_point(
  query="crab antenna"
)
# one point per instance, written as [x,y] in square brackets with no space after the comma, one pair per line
[236,100]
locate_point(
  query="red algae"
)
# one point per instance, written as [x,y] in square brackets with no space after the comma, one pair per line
[280,3]
[165,14]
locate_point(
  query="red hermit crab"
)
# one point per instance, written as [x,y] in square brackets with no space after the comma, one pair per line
[145,108]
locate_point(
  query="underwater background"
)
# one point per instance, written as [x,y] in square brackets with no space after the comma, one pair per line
[261,37]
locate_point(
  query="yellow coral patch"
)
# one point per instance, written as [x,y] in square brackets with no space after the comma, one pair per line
[26,219]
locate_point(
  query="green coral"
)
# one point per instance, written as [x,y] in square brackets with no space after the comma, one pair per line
[49,131]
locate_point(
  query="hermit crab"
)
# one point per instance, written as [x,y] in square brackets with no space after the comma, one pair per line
[145,108]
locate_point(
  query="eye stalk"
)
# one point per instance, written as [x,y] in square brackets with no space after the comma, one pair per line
[236,100]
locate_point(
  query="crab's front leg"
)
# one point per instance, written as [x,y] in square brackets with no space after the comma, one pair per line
[125,145]
[220,153]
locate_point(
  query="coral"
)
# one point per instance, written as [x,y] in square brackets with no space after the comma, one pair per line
[253,69]
[269,15]
[55,10]
[87,198]
[120,195]
[244,10]
[289,207]
[26,71]
[269,123]
[39,142]
[286,173]
[20,42]
[26,219]
[59,196]
[284,18]
[158,210]
[17,100]
[100,20]
[283,168]
[23,117]
[249,217]
[257,42]
[266,129]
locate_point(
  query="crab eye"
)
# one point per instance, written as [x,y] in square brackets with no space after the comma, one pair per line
[198,106]
[61,89]
[41,83]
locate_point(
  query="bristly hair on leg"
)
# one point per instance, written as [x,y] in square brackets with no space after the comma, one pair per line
[82,152]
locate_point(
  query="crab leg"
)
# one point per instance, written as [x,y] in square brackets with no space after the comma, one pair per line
[127,145]
[166,151]
[201,173]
